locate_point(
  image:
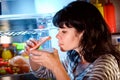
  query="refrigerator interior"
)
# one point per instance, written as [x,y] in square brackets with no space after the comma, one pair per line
[20,28]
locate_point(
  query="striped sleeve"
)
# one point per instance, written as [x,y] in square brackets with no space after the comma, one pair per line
[43,72]
[104,68]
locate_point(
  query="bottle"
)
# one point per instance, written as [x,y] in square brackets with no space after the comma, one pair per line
[99,6]
[6,53]
[109,15]
[8,49]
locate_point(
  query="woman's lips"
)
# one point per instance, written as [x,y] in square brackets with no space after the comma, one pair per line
[60,44]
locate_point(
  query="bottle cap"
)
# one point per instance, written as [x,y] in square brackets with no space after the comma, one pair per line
[5,45]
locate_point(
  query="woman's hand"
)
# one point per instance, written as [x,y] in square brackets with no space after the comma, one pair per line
[51,61]
[33,44]
[45,58]
[48,59]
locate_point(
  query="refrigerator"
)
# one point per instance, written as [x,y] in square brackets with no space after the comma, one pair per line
[20,23]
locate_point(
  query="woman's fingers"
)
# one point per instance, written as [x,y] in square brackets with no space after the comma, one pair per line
[36,56]
[45,58]
[33,44]
[55,52]
[40,42]
[42,55]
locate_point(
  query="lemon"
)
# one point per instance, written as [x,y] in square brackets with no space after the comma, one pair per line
[6,54]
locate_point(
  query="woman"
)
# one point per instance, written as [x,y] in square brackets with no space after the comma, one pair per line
[85,35]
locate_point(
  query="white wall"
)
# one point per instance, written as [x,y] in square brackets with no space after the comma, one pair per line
[49,6]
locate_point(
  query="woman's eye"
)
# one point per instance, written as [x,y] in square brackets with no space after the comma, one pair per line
[64,31]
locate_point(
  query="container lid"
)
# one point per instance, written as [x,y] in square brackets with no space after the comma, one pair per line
[5,45]
[5,39]
[97,4]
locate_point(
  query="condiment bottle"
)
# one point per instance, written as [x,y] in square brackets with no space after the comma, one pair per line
[100,7]
[110,17]
[6,53]
[9,50]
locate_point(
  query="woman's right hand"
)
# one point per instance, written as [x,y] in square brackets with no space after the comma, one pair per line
[33,44]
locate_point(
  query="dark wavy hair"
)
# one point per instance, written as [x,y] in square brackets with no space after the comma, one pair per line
[84,16]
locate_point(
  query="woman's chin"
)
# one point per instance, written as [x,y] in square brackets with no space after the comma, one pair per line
[63,50]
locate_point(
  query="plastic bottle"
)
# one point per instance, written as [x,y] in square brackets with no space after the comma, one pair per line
[109,15]
[100,7]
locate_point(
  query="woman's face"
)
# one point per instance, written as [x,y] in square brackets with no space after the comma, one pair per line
[68,38]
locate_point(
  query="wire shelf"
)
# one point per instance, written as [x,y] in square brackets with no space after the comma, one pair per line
[24,32]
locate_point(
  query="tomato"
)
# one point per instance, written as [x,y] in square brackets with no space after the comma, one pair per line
[1,59]
[9,70]
[3,63]
[6,63]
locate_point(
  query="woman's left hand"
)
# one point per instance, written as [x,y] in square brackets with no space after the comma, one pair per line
[45,58]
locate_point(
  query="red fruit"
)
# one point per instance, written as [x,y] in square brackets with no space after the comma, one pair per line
[9,70]
[3,63]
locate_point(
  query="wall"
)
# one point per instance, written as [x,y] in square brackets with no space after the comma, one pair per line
[50,6]
[117,9]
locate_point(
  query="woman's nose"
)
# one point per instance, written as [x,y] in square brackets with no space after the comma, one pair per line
[57,36]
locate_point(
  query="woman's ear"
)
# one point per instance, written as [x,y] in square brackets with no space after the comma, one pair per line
[81,34]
